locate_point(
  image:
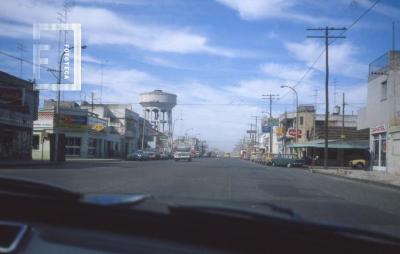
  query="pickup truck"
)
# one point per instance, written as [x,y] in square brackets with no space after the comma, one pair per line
[183,153]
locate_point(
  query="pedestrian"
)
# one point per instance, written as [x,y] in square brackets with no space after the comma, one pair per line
[314,160]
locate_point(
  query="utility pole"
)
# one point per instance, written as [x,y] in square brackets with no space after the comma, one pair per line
[92,96]
[144,124]
[270,97]
[334,91]
[326,37]
[101,82]
[343,106]
[393,36]
[256,131]
[21,49]
[315,112]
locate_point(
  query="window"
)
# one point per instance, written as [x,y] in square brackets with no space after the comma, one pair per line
[73,146]
[92,147]
[35,142]
[384,90]
[301,120]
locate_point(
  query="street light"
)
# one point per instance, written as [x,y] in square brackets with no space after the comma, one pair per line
[297,109]
[58,101]
[172,133]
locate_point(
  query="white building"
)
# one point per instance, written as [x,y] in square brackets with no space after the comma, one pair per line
[382,113]
[265,141]
[86,134]
[123,119]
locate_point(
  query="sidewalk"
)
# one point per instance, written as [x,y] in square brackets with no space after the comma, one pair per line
[21,163]
[374,177]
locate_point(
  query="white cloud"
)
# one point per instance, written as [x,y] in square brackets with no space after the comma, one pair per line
[289,72]
[113,29]
[342,57]
[381,8]
[160,62]
[15,30]
[91,59]
[283,9]
[256,9]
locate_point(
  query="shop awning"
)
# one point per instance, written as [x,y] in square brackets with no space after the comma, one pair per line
[333,144]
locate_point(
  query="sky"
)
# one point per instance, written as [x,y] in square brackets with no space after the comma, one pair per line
[218,56]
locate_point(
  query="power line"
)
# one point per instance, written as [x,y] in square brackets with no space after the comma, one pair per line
[26,61]
[326,36]
[332,41]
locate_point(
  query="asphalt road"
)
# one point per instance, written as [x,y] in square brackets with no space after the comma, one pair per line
[313,196]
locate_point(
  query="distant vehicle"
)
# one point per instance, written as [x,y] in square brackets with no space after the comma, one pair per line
[267,158]
[165,156]
[137,156]
[255,156]
[287,160]
[358,163]
[152,154]
[227,155]
[183,152]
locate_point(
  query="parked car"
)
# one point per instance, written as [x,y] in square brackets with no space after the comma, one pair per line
[165,156]
[137,156]
[227,155]
[256,156]
[267,158]
[358,163]
[287,160]
[152,154]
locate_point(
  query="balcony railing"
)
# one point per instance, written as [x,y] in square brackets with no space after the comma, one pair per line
[379,66]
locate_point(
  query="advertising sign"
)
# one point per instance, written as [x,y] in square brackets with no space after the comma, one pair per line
[378,129]
[10,96]
[266,129]
[97,124]
[72,121]
[292,133]
[280,131]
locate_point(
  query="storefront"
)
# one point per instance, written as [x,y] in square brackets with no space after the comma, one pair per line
[378,147]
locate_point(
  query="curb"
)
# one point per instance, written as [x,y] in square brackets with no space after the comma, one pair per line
[26,164]
[381,184]
[397,187]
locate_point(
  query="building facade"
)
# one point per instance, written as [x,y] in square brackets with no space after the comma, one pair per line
[345,141]
[18,109]
[123,120]
[86,134]
[381,116]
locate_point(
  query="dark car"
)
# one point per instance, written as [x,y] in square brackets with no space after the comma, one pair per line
[137,156]
[287,160]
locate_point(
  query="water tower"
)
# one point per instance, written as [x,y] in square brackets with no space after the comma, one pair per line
[157,109]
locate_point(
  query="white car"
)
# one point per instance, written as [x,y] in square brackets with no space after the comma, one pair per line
[183,155]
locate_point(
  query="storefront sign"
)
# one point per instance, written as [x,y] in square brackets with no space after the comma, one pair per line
[292,133]
[72,121]
[378,129]
[96,124]
[10,96]
[280,131]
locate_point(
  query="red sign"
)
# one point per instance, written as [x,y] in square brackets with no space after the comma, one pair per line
[378,129]
[10,96]
[292,133]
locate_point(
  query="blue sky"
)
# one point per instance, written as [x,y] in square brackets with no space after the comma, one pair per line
[219,56]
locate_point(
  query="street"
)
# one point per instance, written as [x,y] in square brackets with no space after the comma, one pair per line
[313,196]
